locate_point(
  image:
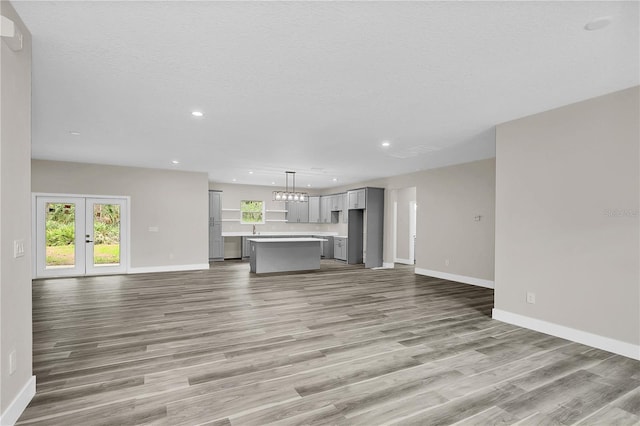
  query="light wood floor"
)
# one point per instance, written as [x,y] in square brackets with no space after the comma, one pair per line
[343,345]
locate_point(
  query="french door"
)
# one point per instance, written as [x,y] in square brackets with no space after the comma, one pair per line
[80,236]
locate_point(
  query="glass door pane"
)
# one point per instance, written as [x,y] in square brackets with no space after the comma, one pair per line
[60,244]
[106,230]
[106,234]
[60,233]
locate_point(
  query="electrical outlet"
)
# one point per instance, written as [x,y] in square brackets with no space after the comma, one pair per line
[446,262]
[531,298]
[12,362]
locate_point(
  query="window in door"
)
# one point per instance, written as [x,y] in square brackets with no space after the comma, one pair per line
[60,226]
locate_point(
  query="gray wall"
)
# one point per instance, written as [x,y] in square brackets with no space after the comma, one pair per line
[15,222]
[568,189]
[448,199]
[175,202]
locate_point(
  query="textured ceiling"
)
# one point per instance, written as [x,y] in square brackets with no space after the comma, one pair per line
[313,87]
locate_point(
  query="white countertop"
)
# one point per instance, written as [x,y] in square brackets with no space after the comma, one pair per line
[341,236]
[285,240]
[275,234]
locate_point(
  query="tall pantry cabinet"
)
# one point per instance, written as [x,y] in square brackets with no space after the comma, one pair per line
[216,242]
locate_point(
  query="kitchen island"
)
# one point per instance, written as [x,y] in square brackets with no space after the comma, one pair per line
[284,254]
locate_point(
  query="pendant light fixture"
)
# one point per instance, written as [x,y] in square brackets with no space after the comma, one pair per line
[292,195]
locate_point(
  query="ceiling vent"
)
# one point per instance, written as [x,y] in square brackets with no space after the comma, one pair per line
[413,151]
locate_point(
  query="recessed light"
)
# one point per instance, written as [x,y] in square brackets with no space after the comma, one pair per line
[335,179]
[273,183]
[598,23]
[250,172]
[386,144]
[197,113]
[74,133]
[233,180]
[309,185]
[175,162]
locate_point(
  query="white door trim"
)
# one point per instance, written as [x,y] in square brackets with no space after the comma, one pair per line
[413,206]
[395,231]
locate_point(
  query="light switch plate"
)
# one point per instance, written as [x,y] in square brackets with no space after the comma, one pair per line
[18,248]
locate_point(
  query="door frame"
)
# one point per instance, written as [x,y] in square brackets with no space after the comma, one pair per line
[413,230]
[125,228]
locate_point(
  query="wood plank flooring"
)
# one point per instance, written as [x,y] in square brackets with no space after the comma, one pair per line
[342,345]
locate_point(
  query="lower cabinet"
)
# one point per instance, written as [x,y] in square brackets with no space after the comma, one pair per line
[216,242]
[246,247]
[340,248]
[327,248]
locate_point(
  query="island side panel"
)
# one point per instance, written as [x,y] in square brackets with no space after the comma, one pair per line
[284,256]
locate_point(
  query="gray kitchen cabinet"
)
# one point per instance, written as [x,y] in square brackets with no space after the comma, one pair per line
[326,246]
[374,227]
[314,209]
[303,212]
[325,212]
[246,247]
[330,206]
[297,212]
[335,201]
[216,242]
[345,207]
[367,222]
[340,247]
[357,199]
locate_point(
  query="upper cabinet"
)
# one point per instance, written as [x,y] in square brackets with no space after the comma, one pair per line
[335,202]
[345,207]
[215,207]
[314,209]
[357,199]
[297,212]
[325,210]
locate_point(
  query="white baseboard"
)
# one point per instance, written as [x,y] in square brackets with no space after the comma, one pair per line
[19,403]
[579,336]
[404,261]
[459,278]
[169,268]
[389,265]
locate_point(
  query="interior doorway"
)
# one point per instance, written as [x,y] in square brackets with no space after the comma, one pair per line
[413,207]
[77,235]
[405,225]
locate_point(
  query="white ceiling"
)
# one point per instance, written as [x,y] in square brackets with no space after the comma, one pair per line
[313,87]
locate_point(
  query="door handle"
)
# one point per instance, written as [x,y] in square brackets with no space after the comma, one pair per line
[88,241]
